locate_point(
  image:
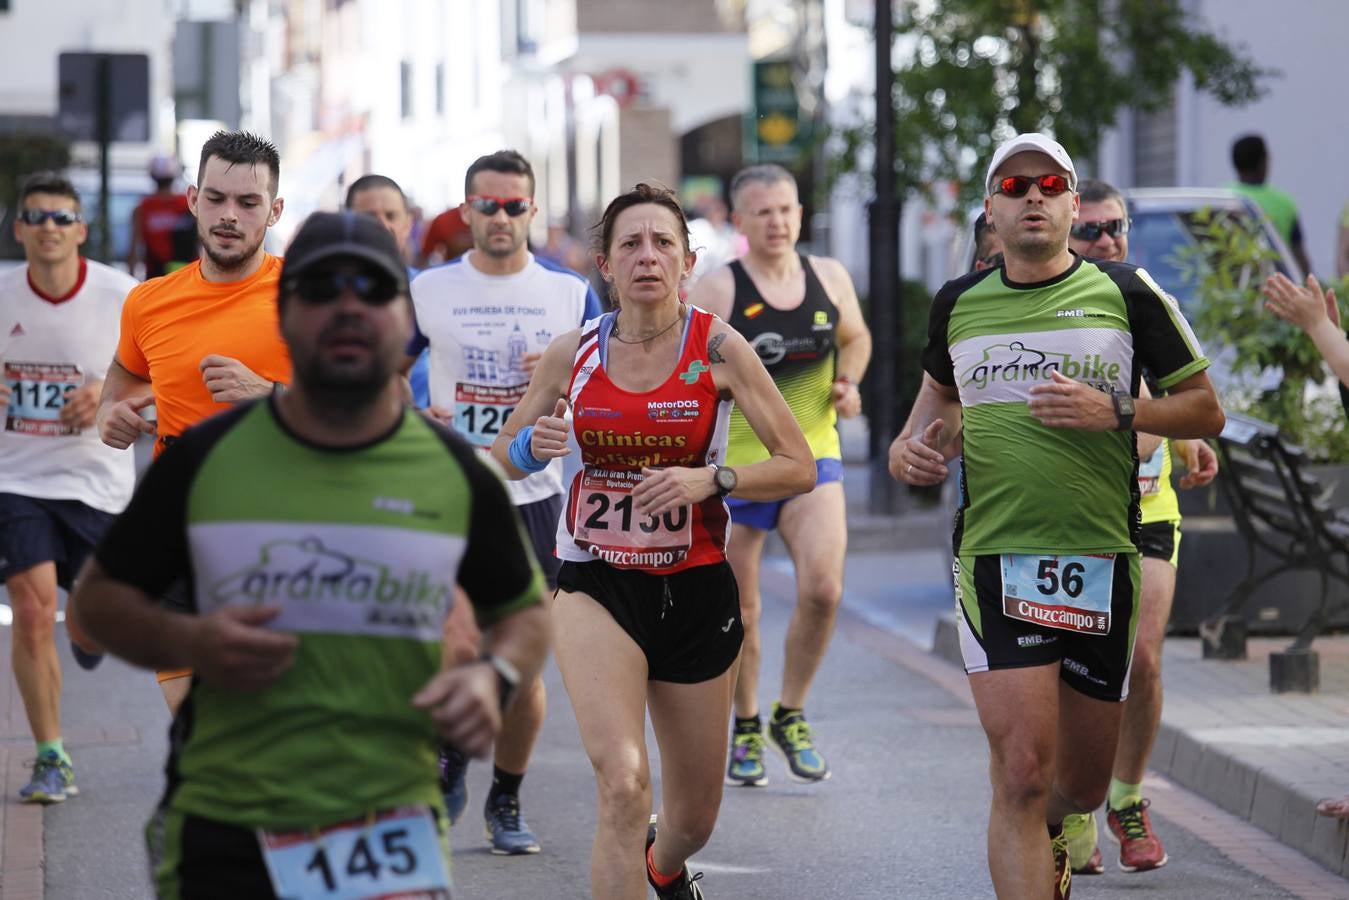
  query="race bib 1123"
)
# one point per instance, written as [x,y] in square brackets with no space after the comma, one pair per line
[37,394]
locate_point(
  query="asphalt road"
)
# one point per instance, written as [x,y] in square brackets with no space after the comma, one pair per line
[903,817]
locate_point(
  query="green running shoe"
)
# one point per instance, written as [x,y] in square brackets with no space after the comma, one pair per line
[745,767]
[792,737]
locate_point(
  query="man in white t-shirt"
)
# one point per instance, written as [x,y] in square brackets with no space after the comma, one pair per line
[487,317]
[60,486]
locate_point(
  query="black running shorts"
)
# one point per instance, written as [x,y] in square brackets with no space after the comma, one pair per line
[687,624]
[1096,665]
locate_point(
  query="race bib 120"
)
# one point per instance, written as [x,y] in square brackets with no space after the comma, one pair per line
[395,854]
[1067,592]
[37,393]
[481,409]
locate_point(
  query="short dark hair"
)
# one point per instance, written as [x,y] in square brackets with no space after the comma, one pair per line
[48,182]
[371,182]
[507,162]
[1093,190]
[1249,153]
[764,173]
[242,148]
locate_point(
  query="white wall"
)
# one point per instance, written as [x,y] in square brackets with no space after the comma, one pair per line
[1304,118]
[33,34]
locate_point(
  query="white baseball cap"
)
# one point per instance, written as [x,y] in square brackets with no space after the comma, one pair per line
[164,167]
[1031,141]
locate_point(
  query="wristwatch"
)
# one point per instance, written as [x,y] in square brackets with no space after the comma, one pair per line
[508,677]
[1124,409]
[725,479]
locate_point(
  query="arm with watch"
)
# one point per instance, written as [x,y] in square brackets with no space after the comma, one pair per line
[1190,408]
[790,467]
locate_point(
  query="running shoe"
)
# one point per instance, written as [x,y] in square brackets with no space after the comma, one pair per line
[792,737]
[1063,870]
[684,887]
[1139,847]
[453,768]
[506,828]
[1083,853]
[745,768]
[84,659]
[53,780]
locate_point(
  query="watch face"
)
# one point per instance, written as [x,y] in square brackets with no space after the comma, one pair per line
[725,479]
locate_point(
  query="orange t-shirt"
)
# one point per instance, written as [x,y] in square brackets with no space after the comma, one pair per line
[170,324]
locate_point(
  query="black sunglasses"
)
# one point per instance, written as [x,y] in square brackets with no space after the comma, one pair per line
[1018,185]
[1090,231]
[61,217]
[488,206]
[325,287]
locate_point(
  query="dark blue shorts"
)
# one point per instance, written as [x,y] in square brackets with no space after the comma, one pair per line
[540,518]
[764,515]
[35,531]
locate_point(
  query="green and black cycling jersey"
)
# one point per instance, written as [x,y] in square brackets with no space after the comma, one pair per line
[1027,487]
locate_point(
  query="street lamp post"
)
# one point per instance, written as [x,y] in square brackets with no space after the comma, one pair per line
[887,324]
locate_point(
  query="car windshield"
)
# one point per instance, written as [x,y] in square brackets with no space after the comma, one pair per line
[1154,238]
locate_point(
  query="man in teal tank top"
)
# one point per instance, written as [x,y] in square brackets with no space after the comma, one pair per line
[325,533]
[1036,365]
[800,314]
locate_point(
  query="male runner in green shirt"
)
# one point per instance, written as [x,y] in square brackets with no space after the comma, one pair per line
[323,532]
[1036,364]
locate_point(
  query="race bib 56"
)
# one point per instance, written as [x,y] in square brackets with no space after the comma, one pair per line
[1067,592]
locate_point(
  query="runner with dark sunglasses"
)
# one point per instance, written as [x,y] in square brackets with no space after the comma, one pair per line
[486,318]
[1034,366]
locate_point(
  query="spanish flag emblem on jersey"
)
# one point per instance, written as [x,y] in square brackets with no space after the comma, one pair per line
[753,310]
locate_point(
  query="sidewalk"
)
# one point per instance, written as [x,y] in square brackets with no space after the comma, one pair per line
[1265,757]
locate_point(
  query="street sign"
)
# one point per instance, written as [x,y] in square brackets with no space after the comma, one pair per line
[776,133]
[82,79]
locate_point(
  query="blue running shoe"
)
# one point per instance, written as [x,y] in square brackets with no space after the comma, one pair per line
[791,736]
[745,767]
[86,660]
[453,769]
[53,780]
[506,828]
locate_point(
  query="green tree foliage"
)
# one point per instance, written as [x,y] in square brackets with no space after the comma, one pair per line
[974,72]
[1279,375]
[21,155]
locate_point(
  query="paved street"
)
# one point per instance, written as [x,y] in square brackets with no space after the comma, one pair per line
[902,817]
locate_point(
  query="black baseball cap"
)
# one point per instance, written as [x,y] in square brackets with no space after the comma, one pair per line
[327,236]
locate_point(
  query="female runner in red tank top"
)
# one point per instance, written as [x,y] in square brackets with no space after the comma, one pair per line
[647,615]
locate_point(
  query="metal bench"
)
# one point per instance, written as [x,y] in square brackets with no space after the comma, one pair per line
[1280,508]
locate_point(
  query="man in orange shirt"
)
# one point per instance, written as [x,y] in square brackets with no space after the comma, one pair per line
[206,336]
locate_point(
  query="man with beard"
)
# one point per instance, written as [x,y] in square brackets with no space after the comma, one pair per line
[1036,365]
[302,762]
[487,317]
[205,337]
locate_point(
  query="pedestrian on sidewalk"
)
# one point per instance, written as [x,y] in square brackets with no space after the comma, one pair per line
[647,613]
[324,531]
[1101,231]
[800,314]
[1036,364]
[60,487]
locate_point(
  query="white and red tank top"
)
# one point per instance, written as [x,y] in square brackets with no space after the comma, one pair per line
[616,433]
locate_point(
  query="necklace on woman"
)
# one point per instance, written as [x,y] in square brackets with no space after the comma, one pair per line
[679,315]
